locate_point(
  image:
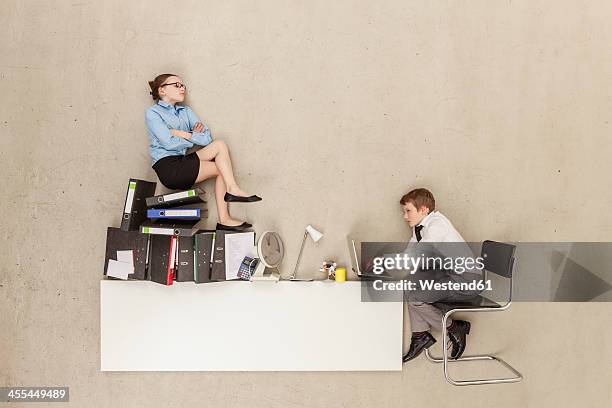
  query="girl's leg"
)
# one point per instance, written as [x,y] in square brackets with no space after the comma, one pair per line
[219,152]
[209,169]
[222,206]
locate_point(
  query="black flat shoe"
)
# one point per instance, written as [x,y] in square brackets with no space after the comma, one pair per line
[418,344]
[230,198]
[457,334]
[241,227]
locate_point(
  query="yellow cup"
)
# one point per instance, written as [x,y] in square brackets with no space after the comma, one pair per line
[340,274]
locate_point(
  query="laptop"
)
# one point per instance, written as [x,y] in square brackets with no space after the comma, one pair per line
[355,261]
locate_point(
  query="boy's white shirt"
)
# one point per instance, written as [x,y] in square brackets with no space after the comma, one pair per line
[438,229]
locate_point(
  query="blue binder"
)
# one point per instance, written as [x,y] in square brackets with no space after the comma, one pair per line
[174,213]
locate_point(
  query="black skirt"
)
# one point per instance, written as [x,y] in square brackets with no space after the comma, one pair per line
[178,172]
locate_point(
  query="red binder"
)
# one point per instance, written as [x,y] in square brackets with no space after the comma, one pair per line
[162,258]
[171,261]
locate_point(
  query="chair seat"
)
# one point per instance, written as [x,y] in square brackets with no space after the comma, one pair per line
[480,302]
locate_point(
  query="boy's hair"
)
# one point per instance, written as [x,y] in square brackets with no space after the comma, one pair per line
[419,197]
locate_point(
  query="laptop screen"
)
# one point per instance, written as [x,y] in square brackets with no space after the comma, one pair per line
[355,258]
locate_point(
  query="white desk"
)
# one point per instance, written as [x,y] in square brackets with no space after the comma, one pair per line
[246,326]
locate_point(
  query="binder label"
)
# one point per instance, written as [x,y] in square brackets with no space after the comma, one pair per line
[157,231]
[172,253]
[130,197]
[181,213]
[177,196]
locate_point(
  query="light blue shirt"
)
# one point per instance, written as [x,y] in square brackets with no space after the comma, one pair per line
[162,117]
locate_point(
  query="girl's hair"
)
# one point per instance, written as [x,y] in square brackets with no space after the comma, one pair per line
[156,83]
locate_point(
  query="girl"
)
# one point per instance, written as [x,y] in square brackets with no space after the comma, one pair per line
[175,128]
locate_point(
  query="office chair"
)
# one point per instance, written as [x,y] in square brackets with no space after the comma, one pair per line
[498,259]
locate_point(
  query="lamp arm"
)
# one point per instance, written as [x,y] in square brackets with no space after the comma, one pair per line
[297,264]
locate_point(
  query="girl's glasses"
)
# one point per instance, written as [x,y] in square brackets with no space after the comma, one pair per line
[176,84]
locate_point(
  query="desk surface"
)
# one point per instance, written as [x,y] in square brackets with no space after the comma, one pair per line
[246,326]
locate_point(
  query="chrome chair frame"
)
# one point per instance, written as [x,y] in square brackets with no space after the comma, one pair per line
[445,357]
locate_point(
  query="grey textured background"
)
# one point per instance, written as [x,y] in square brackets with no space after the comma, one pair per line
[332,110]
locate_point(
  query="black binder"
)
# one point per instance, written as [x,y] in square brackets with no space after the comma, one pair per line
[159,258]
[185,268]
[192,196]
[135,208]
[171,227]
[118,240]
[218,266]
[203,256]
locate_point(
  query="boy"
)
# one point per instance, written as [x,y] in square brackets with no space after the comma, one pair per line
[431,229]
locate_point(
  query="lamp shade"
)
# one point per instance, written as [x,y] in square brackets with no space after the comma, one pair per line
[314,234]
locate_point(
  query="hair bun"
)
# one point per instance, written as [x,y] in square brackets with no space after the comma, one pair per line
[156,83]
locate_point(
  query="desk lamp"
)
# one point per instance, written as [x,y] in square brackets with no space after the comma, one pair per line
[315,236]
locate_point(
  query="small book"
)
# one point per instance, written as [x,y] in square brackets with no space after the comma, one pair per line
[192,196]
[135,208]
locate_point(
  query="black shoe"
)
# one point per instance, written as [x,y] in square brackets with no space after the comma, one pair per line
[457,334]
[241,227]
[230,198]
[418,344]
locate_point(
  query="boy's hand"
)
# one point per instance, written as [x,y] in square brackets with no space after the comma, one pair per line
[369,265]
[198,127]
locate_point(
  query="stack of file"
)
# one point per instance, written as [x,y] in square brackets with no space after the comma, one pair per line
[162,239]
[218,255]
[173,221]
[176,214]
[155,239]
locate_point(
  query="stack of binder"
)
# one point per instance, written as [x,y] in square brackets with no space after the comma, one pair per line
[153,228]
[176,214]
[166,238]
[212,262]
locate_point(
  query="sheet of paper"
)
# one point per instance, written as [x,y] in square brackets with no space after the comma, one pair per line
[237,246]
[119,270]
[126,256]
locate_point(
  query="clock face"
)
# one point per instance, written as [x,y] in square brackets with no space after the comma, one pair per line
[271,249]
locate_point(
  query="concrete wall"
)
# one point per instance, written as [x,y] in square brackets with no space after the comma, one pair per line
[332,110]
